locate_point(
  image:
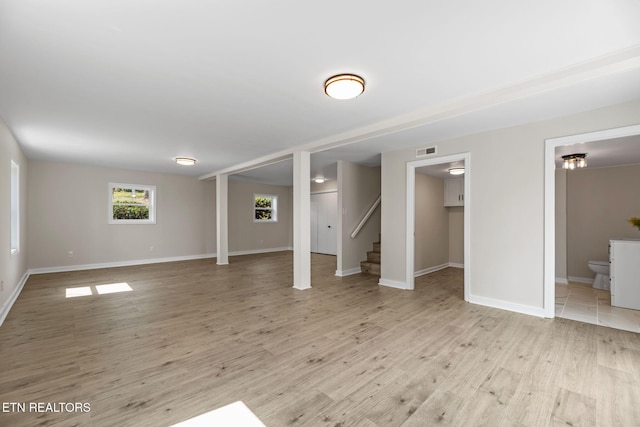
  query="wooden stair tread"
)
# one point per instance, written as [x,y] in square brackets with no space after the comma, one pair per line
[372,264]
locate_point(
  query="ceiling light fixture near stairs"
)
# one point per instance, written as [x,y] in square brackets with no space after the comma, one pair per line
[456,171]
[344,86]
[185,161]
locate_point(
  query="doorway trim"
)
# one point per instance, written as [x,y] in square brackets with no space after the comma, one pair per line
[411,206]
[550,201]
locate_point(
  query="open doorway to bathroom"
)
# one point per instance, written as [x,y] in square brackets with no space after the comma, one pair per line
[438,218]
[591,206]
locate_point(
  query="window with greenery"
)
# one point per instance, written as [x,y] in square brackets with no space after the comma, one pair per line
[132,204]
[15,207]
[265,208]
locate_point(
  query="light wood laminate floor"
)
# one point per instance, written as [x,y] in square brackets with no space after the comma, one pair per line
[193,336]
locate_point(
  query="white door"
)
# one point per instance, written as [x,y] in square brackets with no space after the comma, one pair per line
[324,214]
[315,201]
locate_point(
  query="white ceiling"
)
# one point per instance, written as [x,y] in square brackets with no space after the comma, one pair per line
[134,84]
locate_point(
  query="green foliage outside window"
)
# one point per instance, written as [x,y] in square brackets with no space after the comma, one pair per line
[130,212]
[130,203]
[263,208]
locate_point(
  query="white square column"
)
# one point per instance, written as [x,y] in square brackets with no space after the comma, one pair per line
[222,219]
[302,220]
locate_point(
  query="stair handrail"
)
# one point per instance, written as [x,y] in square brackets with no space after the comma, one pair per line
[366,217]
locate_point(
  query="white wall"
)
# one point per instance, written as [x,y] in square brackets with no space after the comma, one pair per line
[506,205]
[68,212]
[245,235]
[358,188]
[13,268]
[561,226]
[456,235]
[324,187]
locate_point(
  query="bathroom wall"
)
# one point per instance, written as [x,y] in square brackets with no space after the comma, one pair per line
[599,202]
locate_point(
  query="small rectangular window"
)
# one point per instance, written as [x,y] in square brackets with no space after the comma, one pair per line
[132,204]
[15,207]
[265,208]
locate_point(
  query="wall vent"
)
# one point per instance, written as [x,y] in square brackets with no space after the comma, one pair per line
[421,152]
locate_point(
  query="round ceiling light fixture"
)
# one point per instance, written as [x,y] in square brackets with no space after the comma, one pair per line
[456,171]
[185,161]
[319,180]
[344,86]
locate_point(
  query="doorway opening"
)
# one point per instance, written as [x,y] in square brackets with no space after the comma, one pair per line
[551,147]
[462,188]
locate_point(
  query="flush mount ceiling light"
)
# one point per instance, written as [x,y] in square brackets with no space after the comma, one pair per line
[344,86]
[319,180]
[185,161]
[456,171]
[572,161]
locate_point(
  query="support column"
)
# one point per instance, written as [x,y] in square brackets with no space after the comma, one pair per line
[222,222]
[302,220]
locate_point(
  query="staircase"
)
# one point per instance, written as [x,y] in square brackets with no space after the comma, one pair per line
[372,264]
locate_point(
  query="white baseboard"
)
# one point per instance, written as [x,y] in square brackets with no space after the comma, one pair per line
[562,281]
[349,272]
[437,268]
[587,280]
[145,261]
[117,264]
[509,306]
[393,284]
[430,270]
[260,251]
[4,310]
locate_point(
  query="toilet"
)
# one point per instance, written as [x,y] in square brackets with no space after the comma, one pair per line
[601,268]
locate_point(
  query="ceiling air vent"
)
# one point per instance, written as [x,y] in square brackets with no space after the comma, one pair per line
[421,152]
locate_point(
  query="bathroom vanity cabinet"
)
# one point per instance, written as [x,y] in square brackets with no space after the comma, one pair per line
[624,273]
[454,192]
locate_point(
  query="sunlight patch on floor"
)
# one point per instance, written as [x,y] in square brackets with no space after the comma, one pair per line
[233,415]
[111,288]
[79,292]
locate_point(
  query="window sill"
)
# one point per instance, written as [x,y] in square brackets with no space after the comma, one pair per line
[131,221]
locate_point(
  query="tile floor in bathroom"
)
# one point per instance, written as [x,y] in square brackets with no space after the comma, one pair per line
[581,302]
